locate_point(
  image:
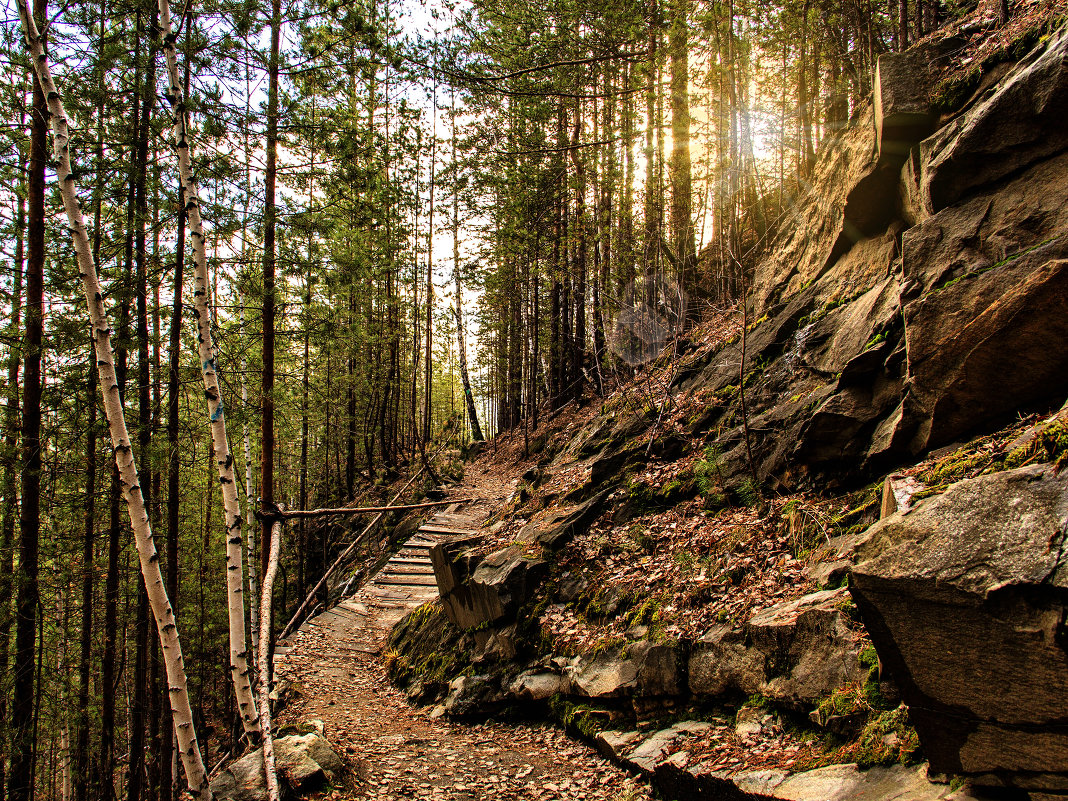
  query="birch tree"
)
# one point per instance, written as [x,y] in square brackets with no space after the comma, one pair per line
[239,669]
[166,624]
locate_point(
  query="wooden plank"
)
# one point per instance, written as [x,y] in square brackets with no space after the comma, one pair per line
[407,581]
[329,617]
[432,529]
[445,519]
[406,570]
[354,606]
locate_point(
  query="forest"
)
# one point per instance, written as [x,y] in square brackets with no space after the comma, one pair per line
[373,232]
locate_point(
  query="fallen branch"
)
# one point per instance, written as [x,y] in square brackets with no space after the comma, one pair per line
[360,510]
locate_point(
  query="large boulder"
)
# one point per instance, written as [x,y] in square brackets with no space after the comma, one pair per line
[537,685]
[305,763]
[795,653]
[989,228]
[966,598]
[473,695]
[604,675]
[661,667]
[904,114]
[679,780]
[454,561]
[475,590]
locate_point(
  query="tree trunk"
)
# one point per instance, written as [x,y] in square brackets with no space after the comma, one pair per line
[20,780]
[239,669]
[264,687]
[652,212]
[12,460]
[81,768]
[139,701]
[461,349]
[582,225]
[903,25]
[250,523]
[428,355]
[269,222]
[682,233]
[173,465]
[124,458]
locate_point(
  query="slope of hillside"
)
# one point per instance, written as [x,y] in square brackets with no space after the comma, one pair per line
[689,573]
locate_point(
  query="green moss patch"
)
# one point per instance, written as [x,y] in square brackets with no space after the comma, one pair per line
[425,646]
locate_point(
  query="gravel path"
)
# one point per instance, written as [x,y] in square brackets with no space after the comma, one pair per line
[396,751]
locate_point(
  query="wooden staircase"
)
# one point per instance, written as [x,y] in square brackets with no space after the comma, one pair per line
[404,582]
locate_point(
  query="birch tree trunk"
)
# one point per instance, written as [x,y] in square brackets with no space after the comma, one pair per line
[239,670]
[264,656]
[120,438]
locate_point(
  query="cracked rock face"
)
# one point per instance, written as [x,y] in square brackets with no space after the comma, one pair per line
[966,600]
[476,590]
[795,653]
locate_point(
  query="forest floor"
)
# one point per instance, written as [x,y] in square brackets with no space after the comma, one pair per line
[337,674]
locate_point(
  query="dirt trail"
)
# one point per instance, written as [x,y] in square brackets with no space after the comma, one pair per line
[397,751]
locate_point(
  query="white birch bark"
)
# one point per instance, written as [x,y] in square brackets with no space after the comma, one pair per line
[166,625]
[263,658]
[239,669]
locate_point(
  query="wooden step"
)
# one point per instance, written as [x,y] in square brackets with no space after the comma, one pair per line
[407,581]
[417,570]
[336,614]
[419,578]
[443,518]
[354,606]
[424,560]
[447,530]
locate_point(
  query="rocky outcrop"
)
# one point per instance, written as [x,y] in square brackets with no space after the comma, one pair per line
[555,529]
[1023,121]
[305,763]
[472,695]
[537,685]
[794,653]
[661,667]
[917,294]
[664,755]
[958,339]
[966,598]
[476,590]
[903,112]
[604,675]
[479,589]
